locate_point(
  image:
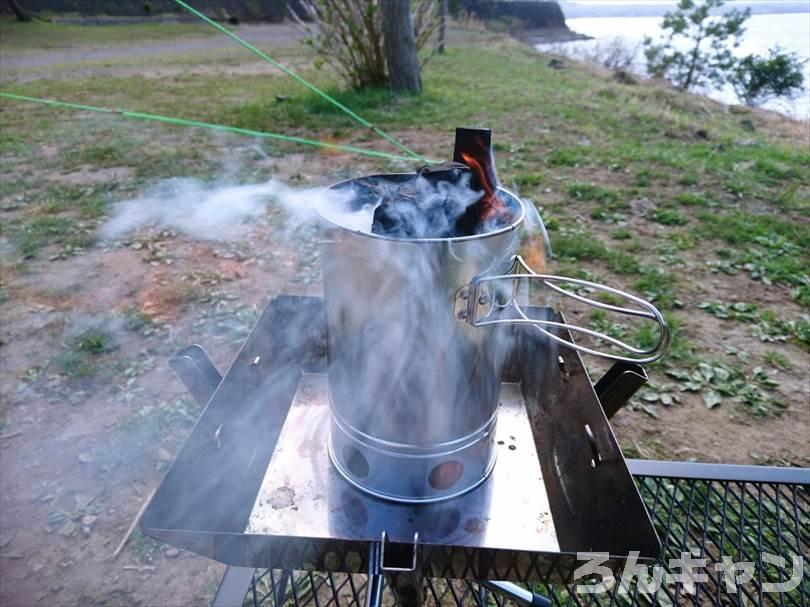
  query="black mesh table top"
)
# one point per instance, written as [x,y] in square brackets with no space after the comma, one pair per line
[730,535]
[756,518]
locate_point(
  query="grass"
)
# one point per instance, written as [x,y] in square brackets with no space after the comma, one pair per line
[691,199]
[746,228]
[529,180]
[585,246]
[594,192]
[80,355]
[61,216]
[670,217]
[659,287]
[583,146]
[29,237]
[621,234]
[88,202]
[778,360]
[767,325]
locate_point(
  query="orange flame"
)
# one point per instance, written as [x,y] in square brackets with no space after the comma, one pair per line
[491,206]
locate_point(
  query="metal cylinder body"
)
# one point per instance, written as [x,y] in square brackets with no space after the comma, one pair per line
[414,390]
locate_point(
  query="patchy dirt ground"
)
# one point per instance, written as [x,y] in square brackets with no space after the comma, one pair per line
[82,448]
[91,413]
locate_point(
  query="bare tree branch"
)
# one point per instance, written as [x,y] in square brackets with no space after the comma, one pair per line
[348,36]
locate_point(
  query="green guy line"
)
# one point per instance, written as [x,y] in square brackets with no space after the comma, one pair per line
[300,80]
[207,125]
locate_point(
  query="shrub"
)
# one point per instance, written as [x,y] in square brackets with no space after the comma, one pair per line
[682,56]
[757,79]
[348,35]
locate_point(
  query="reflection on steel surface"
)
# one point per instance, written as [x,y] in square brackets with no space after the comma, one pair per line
[302,495]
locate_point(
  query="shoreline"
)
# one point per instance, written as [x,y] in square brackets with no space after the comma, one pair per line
[548,35]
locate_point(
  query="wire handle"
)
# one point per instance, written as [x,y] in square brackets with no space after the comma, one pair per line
[478,303]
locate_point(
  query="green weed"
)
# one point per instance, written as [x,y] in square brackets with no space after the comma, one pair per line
[689,178]
[691,199]
[75,364]
[669,217]
[683,241]
[775,170]
[142,547]
[646,176]
[583,246]
[715,381]
[30,236]
[80,355]
[622,262]
[578,246]
[92,341]
[139,322]
[101,155]
[658,286]
[592,191]
[801,295]
[89,202]
[765,324]
[569,157]
[778,360]
[529,180]
[744,228]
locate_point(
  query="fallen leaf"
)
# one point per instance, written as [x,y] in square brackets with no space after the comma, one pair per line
[711,399]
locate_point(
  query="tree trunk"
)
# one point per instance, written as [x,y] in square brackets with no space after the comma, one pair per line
[442,18]
[19,11]
[400,46]
[693,63]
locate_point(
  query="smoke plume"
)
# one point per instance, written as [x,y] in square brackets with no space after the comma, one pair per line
[215,210]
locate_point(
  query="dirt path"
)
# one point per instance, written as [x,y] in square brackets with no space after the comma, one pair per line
[69,60]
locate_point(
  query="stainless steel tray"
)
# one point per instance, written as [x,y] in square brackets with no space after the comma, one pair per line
[253,485]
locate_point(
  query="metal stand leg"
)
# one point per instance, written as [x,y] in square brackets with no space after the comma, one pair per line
[618,385]
[376,582]
[401,571]
[201,378]
[197,372]
[233,587]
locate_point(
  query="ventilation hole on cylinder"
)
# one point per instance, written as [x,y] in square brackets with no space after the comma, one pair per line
[445,475]
[356,462]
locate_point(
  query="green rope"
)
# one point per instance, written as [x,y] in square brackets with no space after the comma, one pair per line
[300,80]
[208,125]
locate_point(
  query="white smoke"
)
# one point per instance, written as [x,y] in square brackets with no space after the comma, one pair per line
[215,210]
[402,365]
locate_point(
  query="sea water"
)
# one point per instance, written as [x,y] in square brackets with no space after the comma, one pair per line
[790,31]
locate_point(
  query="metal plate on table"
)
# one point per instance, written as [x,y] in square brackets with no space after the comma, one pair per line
[303,495]
[253,487]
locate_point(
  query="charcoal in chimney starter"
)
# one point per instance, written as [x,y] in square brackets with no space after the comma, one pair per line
[447,200]
[427,207]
